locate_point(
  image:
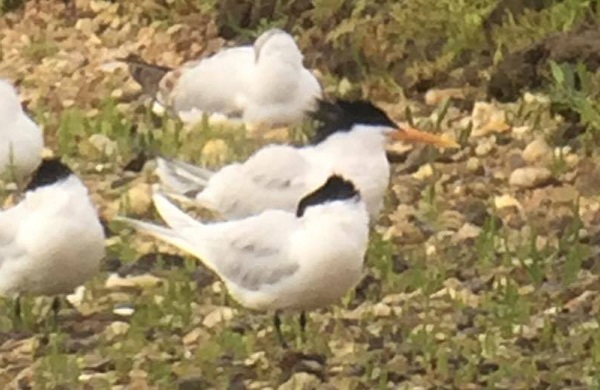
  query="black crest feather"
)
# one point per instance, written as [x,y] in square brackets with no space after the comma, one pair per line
[50,171]
[342,115]
[335,188]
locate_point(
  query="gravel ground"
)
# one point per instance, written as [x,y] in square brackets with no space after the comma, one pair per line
[481,273]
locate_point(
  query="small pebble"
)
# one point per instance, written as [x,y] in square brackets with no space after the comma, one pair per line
[382,310]
[103,144]
[139,199]
[115,329]
[506,200]
[484,148]
[529,177]
[474,165]
[424,172]
[433,97]
[124,310]
[76,298]
[537,150]
[301,381]
[220,314]
[468,231]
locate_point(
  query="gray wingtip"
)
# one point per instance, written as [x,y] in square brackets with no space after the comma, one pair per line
[180,177]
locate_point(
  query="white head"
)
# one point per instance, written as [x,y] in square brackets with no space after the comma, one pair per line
[10,104]
[278,44]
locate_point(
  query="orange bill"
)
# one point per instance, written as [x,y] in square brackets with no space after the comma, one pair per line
[413,136]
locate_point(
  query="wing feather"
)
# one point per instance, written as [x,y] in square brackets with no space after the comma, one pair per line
[276,177]
[249,253]
[214,84]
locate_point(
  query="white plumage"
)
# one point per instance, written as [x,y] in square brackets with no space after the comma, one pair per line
[52,241]
[277,176]
[21,140]
[351,142]
[264,84]
[279,260]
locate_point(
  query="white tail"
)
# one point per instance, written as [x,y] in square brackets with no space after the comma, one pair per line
[164,234]
[172,215]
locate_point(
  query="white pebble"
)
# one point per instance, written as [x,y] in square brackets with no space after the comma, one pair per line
[529,177]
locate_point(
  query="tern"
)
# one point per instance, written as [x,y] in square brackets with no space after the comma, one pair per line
[279,260]
[350,141]
[52,241]
[263,85]
[21,140]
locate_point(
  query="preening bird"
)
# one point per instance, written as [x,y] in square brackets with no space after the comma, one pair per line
[279,260]
[52,241]
[350,141]
[263,85]
[21,140]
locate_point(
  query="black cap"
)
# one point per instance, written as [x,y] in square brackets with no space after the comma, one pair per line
[342,115]
[335,188]
[50,171]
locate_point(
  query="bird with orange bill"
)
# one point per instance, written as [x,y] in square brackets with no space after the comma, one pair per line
[350,141]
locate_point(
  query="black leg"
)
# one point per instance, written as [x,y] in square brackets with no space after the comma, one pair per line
[18,311]
[277,324]
[56,308]
[302,321]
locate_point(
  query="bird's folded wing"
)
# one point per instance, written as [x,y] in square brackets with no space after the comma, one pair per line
[9,229]
[278,169]
[253,252]
[211,85]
